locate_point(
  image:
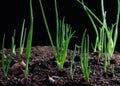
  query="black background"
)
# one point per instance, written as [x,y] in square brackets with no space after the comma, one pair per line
[12,13]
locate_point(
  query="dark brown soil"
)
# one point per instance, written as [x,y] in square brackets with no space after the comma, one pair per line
[44,72]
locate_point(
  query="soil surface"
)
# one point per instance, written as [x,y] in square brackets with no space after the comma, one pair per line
[44,72]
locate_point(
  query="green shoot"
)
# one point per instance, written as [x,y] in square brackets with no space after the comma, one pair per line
[72,63]
[62,43]
[84,54]
[47,28]
[106,56]
[29,41]
[101,43]
[112,34]
[63,36]
[13,52]
[22,38]
[5,60]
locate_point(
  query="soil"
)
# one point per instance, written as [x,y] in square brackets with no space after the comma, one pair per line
[44,72]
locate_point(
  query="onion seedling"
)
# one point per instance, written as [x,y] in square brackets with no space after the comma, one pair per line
[84,54]
[29,41]
[13,52]
[63,36]
[101,43]
[72,63]
[22,38]
[105,56]
[6,60]
[112,33]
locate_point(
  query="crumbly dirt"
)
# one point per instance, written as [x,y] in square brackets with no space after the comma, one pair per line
[44,72]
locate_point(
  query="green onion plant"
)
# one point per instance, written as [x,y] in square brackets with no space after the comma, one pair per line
[72,62]
[84,54]
[22,38]
[101,42]
[29,41]
[106,56]
[112,33]
[63,36]
[13,52]
[6,60]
